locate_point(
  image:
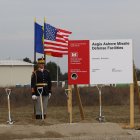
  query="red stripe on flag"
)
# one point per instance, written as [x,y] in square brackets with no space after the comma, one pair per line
[55,44]
[64,31]
[54,51]
[54,54]
[56,48]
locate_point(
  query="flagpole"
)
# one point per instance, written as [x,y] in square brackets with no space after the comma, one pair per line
[57,72]
[43,40]
[34,44]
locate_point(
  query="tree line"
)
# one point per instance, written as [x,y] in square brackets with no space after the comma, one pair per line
[52,67]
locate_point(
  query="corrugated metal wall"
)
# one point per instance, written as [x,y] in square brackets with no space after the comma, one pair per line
[14,75]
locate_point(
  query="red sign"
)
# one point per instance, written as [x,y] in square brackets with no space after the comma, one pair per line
[78,62]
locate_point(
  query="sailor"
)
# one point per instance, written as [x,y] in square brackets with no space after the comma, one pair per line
[41,78]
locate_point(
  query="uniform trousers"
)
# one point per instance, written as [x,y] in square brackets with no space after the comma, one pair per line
[38,105]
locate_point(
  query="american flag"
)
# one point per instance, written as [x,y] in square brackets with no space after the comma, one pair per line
[55,41]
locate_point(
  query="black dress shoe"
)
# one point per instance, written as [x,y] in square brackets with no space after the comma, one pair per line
[38,117]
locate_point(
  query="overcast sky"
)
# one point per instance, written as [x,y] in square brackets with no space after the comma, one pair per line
[87,19]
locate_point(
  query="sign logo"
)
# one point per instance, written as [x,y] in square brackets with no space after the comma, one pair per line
[74,76]
[74,54]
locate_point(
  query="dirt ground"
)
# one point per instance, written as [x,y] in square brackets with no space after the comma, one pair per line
[57,125]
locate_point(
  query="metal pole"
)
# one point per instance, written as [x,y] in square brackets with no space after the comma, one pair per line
[9,111]
[100,101]
[8,92]
[57,75]
[34,44]
[57,71]
[100,118]
[43,39]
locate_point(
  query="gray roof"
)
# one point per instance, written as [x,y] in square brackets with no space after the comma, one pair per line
[15,62]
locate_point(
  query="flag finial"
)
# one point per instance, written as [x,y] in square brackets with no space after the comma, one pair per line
[44,19]
[35,19]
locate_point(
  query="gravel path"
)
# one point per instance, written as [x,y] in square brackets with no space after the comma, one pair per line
[74,131]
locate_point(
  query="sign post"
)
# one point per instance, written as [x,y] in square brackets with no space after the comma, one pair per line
[131,105]
[69,101]
[79,102]
[136,85]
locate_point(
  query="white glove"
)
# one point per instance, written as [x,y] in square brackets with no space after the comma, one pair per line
[34,97]
[50,95]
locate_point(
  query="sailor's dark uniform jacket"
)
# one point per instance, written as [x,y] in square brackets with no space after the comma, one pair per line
[41,79]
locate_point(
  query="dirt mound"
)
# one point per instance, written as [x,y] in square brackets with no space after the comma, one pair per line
[61,131]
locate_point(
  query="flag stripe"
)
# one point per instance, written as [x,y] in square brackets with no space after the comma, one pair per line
[56,40]
[60,40]
[61,37]
[57,47]
[54,54]
[64,31]
[55,43]
[54,50]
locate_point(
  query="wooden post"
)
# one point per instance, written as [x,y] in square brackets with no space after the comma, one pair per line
[34,44]
[136,85]
[69,102]
[79,102]
[131,105]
